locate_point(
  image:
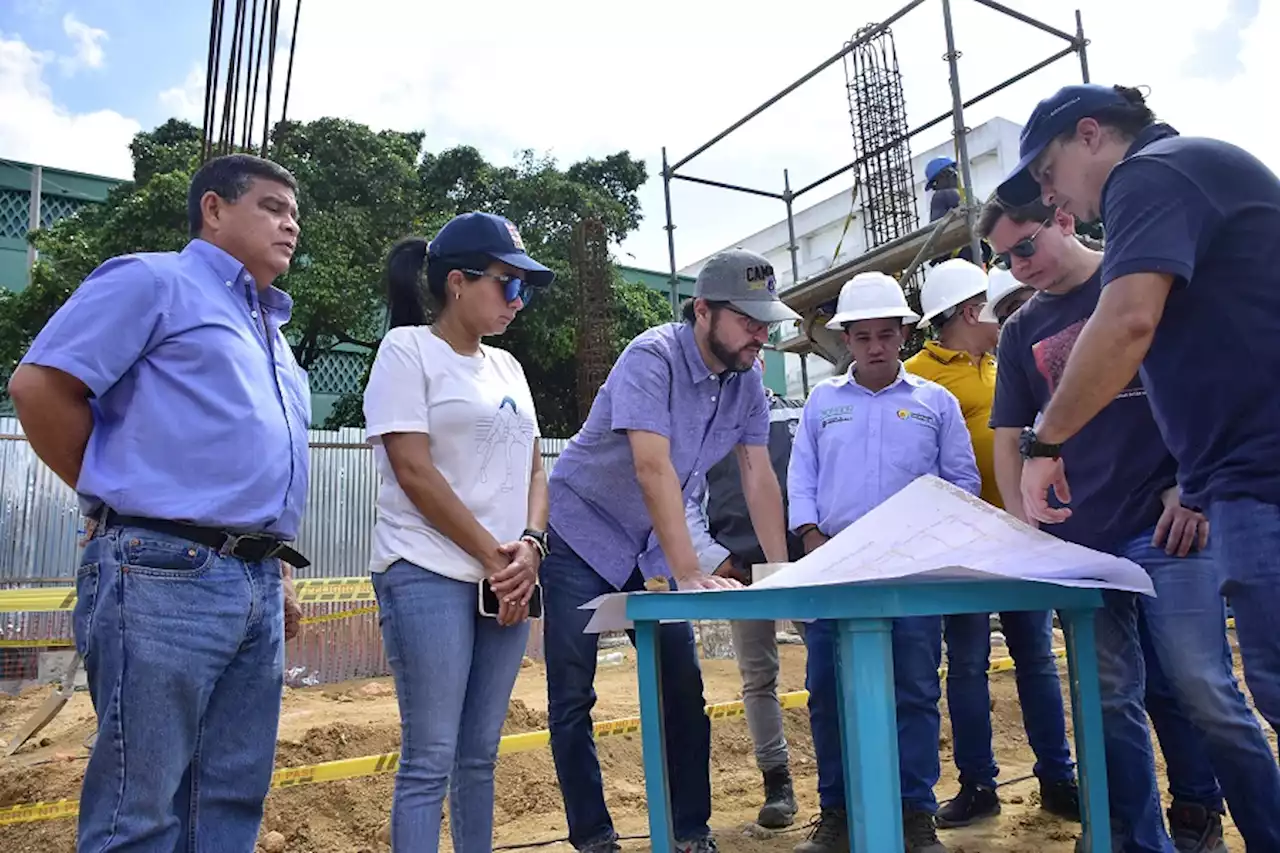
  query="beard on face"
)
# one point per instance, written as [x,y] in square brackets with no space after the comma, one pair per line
[740,360]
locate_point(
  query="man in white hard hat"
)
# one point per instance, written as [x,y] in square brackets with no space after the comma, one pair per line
[863,436]
[1005,294]
[953,298]
[1125,502]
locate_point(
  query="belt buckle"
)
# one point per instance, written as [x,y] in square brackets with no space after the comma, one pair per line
[231,545]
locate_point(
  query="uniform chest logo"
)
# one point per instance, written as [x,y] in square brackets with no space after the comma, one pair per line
[919,417]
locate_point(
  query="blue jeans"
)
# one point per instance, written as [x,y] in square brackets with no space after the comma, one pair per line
[1030,638]
[1246,536]
[1187,634]
[454,671]
[1186,753]
[184,651]
[568,582]
[917,653]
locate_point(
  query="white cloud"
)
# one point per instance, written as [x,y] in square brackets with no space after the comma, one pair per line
[87,42]
[35,129]
[186,101]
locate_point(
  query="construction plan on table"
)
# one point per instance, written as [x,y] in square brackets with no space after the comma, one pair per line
[930,531]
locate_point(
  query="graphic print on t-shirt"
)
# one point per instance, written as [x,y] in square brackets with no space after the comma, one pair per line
[507,437]
[1051,356]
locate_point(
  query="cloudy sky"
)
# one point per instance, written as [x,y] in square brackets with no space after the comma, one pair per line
[79,77]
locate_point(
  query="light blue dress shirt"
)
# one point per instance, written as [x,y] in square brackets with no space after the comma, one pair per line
[200,411]
[856,448]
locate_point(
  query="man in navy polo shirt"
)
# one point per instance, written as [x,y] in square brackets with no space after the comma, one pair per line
[1125,502]
[1191,294]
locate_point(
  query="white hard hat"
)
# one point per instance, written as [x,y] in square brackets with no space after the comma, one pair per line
[871,296]
[948,284]
[1000,283]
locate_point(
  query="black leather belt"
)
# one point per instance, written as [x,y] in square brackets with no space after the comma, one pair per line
[250,547]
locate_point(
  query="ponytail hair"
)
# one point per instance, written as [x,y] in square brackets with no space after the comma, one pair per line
[1127,120]
[407,263]
[404,285]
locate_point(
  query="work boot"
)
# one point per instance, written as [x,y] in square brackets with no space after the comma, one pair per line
[919,832]
[779,809]
[705,844]
[1195,829]
[829,833]
[973,803]
[1061,798]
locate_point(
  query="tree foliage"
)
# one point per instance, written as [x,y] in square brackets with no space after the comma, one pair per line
[359,191]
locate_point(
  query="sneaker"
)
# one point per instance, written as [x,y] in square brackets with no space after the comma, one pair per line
[828,834]
[973,803]
[779,808]
[1061,798]
[920,833]
[1195,829]
[705,844]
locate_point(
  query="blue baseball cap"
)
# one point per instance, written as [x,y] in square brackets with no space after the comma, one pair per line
[492,235]
[1052,117]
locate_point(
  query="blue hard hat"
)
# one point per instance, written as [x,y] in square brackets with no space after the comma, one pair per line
[935,166]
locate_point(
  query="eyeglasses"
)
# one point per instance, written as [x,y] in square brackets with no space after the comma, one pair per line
[1024,248]
[513,287]
[754,326]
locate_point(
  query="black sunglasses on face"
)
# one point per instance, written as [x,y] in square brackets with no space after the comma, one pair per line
[513,287]
[1024,248]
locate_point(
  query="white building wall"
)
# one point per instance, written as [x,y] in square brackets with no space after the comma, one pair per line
[993,152]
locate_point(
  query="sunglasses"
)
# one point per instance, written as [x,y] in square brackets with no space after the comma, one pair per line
[1024,248]
[513,287]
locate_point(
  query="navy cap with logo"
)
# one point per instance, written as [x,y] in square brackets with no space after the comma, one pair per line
[492,235]
[1051,118]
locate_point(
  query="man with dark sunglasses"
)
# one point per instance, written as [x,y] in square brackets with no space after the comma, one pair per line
[1125,501]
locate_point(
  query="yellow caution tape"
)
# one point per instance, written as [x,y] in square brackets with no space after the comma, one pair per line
[310,590]
[60,643]
[341,614]
[372,765]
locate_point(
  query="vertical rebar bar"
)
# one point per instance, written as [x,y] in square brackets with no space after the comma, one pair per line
[1081,44]
[671,237]
[962,143]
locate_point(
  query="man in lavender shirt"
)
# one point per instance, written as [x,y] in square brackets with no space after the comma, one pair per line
[164,392]
[679,398]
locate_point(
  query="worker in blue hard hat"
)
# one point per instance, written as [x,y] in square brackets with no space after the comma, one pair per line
[942,178]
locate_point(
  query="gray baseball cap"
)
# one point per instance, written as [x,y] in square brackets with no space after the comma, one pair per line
[746,281]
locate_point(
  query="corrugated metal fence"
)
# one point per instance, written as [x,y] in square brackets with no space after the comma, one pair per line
[40,519]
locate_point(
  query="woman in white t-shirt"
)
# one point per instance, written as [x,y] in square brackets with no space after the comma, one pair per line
[463,499]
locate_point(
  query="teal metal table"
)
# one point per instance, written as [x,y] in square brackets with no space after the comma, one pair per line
[869,732]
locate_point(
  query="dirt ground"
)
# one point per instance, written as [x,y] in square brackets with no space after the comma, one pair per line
[360,718]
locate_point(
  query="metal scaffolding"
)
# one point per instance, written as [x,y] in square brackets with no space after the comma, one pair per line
[878,114]
[943,236]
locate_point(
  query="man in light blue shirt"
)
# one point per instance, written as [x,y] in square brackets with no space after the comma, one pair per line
[164,392]
[864,436]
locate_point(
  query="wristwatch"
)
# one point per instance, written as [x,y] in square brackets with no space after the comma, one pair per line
[1032,447]
[538,539]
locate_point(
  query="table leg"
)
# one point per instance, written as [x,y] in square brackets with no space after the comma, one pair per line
[1086,712]
[869,735]
[653,738]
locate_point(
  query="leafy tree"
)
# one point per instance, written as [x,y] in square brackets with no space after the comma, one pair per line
[359,191]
